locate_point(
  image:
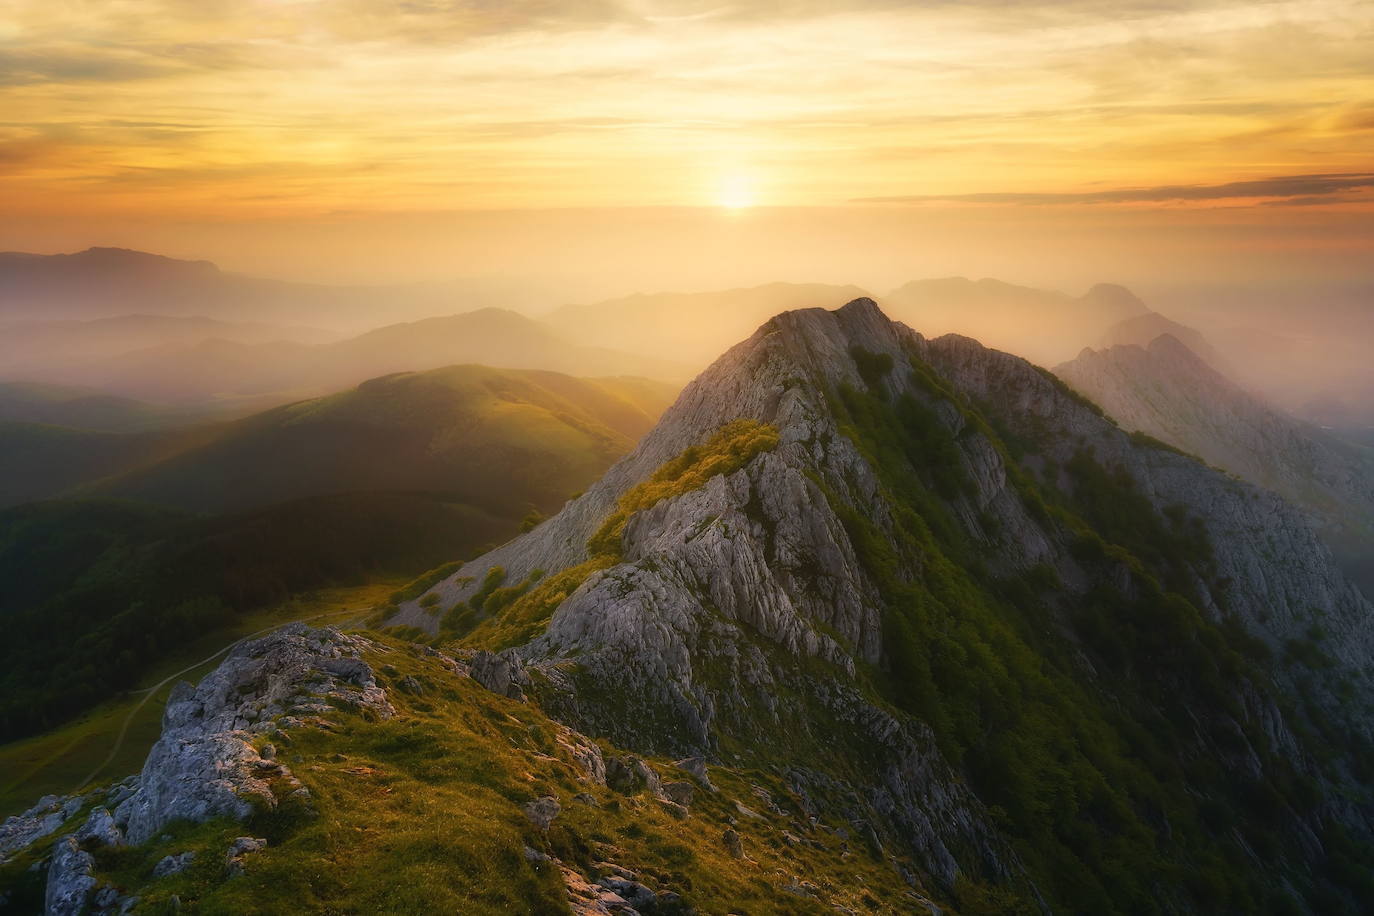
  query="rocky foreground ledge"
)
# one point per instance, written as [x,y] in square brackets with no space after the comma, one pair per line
[215,758]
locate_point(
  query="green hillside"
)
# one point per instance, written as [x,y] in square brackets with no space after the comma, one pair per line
[499,439]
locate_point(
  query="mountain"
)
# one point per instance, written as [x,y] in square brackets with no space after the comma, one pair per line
[1166,390]
[222,371]
[108,282]
[64,349]
[502,440]
[1142,329]
[869,620]
[692,328]
[1043,326]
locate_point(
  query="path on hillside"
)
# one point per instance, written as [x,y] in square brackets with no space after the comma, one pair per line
[150,692]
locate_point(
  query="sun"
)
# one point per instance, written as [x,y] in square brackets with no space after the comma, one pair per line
[736,193]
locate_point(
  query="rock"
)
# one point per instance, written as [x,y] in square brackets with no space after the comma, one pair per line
[585,754]
[171,865]
[534,856]
[247,844]
[674,809]
[241,847]
[696,768]
[43,819]
[618,871]
[542,811]
[99,830]
[268,751]
[501,673]
[632,892]
[585,799]
[410,685]
[801,889]
[733,844]
[679,792]
[70,880]
[747,811]
[205,766]
[630,775]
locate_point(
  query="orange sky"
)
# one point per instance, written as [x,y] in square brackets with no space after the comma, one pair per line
[278,135]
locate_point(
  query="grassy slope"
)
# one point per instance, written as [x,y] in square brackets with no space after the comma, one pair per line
[498,439]
[39,461]
[422,814]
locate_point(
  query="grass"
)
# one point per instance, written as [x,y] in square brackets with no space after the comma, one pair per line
[57,761]
[422,814]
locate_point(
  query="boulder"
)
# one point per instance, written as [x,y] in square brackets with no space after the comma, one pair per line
[542,811]
[501,673]
[205,764]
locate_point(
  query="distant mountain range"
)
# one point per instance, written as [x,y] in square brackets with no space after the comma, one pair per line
[164,360]
[104,282]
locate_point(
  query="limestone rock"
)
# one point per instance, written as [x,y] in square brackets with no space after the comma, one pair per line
[733,844]
[542,811]
[171,865]
[70,882]
[204,765]
[501,673]
[41,820]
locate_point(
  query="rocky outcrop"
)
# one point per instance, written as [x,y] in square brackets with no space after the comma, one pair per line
[72,887]
[207,763]
[43,819]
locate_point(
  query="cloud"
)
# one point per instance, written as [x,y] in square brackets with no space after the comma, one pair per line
[1280,187]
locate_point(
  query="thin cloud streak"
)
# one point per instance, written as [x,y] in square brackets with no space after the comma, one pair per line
[1306,187]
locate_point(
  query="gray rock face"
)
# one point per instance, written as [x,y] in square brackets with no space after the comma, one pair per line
[542,811]
[205,764]
[501,673]
[70,882]
[172,865]
[43,819]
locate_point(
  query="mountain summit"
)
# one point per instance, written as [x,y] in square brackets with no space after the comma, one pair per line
[924,576]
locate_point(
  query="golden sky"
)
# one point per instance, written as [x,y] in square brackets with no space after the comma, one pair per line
[140,118]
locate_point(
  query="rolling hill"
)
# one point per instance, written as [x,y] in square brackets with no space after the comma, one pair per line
[499,439]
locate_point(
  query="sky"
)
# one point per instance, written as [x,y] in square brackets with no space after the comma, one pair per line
[624,144]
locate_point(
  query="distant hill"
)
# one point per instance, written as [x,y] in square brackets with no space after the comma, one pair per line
[91,410]
[39,461]
[106,282]
[224,369]
[1044,326]
[692,328]
[64,349]
[1167,391]
[498,439]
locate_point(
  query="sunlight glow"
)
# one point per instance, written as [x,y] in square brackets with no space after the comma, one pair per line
[736,193]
